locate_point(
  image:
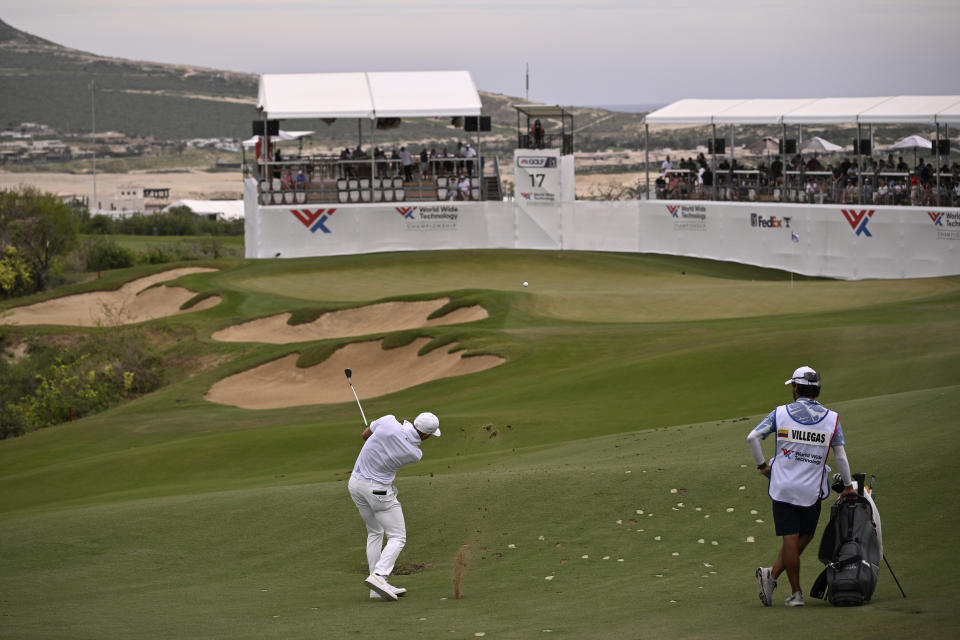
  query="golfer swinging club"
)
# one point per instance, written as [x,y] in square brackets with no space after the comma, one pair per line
[806,431]
[388,445]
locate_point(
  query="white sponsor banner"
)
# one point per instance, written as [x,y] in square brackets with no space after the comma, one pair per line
[837,241]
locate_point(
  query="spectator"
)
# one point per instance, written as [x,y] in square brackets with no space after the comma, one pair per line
[537,132]
[300,180]
[666,165]
[424,162]
[407,161]
[469,153]
[463,188]
[901,165]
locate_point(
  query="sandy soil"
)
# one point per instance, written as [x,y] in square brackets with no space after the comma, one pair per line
[376,372]
[133,302]
[375,318]
[184,185]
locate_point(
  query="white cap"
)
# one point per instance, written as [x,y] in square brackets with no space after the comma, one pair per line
[428,424]
[806,376]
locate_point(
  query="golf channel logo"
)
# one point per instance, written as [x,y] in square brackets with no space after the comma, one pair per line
[688,217]
[946,223]
[858,220]
[313,220]
[769,222]
[536,162]
[441,217]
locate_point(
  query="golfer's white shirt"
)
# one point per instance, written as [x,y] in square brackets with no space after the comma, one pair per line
[391,446]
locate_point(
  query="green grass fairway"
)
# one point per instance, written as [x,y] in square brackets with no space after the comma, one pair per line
[598,482]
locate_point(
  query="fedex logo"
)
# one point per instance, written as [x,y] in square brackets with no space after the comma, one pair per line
[858,220]
[673,208]
[773,222]
[313,220]
[406,212]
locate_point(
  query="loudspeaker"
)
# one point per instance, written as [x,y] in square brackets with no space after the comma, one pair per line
[717,145]
[791,145]
[473,123]
[864,147]
[273,128]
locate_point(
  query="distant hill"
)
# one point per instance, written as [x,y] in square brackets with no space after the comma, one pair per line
[44,82]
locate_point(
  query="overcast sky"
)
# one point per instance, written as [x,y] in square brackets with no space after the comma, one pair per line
[580,52]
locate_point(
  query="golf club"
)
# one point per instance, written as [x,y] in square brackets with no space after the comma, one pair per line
[349,373]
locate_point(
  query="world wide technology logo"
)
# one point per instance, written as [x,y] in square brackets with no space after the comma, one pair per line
[313,220]
[858,220]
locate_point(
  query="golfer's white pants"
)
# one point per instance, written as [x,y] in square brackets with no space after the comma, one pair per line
[382,514]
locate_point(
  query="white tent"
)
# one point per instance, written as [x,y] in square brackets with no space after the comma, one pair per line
[909,109]
[912,142]
[408,94]
[760,111]
[816,143]
[882,109]
[222,209]
[284,135]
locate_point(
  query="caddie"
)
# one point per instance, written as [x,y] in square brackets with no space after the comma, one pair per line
[805,431]
[388,445]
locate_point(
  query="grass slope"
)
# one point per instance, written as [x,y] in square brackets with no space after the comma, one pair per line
[171,517]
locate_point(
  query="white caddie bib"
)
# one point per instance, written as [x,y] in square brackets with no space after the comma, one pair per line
[798,468]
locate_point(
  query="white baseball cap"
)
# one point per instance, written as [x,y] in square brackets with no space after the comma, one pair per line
[428,424]
[805,376]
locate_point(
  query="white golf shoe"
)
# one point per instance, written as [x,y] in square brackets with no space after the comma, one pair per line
[765,585]
[400,591]
[795,600]
[381,586]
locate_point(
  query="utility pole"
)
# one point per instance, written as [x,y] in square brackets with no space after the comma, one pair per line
[93,134]
[526,96]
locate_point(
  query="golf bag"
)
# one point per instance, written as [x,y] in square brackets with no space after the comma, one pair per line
[851,549]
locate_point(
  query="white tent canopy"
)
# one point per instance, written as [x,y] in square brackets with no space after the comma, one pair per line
[816,143]
[883,109]
[404,94]
[223,209]
[284,135]
[912,142]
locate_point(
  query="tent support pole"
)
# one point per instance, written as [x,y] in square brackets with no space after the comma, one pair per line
[646,156]
[859,169]
[936,169]
[373,155]
[713,159]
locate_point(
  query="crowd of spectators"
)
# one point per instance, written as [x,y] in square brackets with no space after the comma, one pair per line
[811,179]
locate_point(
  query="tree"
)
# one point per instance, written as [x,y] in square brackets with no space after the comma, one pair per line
[39,226]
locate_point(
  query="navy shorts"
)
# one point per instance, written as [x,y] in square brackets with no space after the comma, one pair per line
[789,519]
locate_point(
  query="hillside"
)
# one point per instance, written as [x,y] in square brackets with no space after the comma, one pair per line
[50,84]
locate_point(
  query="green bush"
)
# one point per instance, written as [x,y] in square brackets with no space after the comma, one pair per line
[104,254]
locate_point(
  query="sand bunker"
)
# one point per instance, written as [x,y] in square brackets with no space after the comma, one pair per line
[133,302]
[376,372]
[376,318]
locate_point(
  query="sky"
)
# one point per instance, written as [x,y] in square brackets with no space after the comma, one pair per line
[579,52]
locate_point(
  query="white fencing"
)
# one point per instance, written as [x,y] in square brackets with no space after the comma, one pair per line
[838,241]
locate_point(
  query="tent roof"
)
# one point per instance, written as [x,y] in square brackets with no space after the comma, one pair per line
[909,109]
[760,111]
[883,109]
[226,209]
[690,111]
[404,94]
[541,110]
